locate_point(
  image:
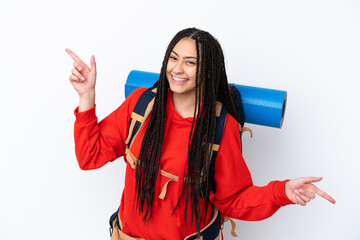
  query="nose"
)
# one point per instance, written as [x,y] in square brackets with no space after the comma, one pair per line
[178,68]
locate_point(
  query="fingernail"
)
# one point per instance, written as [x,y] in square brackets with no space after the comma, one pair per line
[79,68]
[82,78]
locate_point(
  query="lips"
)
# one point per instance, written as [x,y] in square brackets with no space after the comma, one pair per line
[179,80]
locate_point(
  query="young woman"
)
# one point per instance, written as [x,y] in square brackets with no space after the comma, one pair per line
[167,193]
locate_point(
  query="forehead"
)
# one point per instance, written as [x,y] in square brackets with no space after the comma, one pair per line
[185,47]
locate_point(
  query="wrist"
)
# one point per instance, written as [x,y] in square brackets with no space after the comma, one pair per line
[288,191]
[88,95]
[87,101]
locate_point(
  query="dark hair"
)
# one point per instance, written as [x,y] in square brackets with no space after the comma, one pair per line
[214,88]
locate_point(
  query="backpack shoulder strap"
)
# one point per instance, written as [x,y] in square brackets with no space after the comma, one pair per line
[235,93]
[221,114]
[140,113]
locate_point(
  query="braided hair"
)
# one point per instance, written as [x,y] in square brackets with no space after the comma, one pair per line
[211,85]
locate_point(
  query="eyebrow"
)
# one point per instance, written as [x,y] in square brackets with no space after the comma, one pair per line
[184,57]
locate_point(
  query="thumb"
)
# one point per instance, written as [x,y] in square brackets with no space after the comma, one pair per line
[93,64]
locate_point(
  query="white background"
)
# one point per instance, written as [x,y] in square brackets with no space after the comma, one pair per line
[310,48]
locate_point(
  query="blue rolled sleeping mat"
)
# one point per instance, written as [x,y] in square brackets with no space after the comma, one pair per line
[262,106]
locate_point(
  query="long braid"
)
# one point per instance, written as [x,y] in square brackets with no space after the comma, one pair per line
[150,152]
[210,86]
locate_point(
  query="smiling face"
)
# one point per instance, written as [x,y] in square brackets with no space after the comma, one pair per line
[181,68]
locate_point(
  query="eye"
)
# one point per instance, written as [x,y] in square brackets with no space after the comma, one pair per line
[191,63]
[172,58]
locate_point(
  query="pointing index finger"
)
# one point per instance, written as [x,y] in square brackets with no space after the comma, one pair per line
[74,56]
[324,195]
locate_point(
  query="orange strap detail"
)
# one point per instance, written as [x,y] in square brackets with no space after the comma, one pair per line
[245,129]
[218,108]
[117,234]
[233,226]
[130,158]
[172,178]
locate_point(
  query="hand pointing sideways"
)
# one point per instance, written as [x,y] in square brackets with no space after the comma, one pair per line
[302,190]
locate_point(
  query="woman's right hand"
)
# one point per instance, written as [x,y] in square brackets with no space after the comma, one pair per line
[82,77]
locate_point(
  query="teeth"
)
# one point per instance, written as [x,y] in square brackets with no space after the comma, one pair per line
[179,79]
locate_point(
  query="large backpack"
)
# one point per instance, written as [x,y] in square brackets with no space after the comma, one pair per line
[143,108]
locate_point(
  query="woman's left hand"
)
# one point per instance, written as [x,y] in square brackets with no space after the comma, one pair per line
[301,190]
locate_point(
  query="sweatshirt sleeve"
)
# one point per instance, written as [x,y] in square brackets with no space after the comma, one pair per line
[97,143]
[235,195]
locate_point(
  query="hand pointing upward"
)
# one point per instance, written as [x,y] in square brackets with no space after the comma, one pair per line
[83,79]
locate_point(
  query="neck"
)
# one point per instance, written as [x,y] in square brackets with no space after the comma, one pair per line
[184,104]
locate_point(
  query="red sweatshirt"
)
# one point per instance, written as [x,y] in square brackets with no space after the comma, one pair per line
[99,143]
